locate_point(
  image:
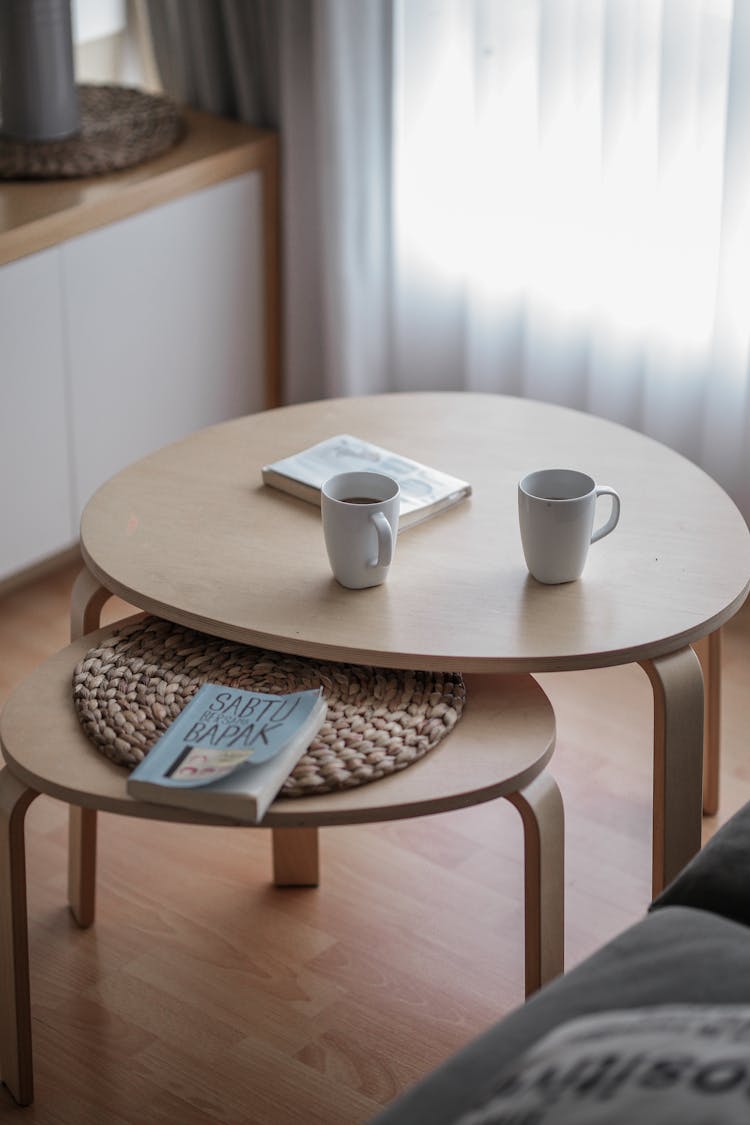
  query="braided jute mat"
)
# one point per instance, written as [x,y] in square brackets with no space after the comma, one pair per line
[120,127]
[130,687]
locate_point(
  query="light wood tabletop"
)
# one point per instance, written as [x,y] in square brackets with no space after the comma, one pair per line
[191,534]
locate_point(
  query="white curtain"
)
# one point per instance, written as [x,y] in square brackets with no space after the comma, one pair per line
[548,198]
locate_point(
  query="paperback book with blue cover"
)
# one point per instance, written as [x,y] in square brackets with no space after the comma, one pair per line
[229,751]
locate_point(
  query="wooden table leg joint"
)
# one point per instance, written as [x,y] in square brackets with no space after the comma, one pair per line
[82,864]
[16,1060]
[541,809]
[295,857]
[708,651]
[677,684]
[88,598]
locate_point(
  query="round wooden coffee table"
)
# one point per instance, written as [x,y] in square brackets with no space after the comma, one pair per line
[498,749]
[191,534]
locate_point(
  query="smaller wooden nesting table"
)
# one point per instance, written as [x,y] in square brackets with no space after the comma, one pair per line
[499,749]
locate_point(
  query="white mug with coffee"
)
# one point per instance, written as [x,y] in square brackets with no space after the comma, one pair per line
[360,525]
[556,510]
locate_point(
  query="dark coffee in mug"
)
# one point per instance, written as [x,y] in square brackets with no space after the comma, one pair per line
[360,525]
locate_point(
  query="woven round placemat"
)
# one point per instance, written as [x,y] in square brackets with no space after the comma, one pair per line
[120,127]
[130,687]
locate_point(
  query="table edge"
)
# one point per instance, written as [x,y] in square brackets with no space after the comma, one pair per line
[573,662]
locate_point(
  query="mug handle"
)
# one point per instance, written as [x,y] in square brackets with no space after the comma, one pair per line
[614,515]
[385,540]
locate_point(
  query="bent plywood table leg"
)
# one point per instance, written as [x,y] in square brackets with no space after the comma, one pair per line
[82,864]
[708,651]
[541,808]
[87,601]
[677,685]
[295,857]
[16,1060]
[88,598]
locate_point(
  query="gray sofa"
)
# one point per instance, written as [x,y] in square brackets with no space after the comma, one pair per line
[691,949]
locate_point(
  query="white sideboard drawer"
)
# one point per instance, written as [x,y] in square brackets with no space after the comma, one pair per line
[36,509]
[165,327]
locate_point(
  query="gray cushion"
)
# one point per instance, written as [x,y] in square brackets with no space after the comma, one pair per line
[718,878]
[656,1066]
[672,956]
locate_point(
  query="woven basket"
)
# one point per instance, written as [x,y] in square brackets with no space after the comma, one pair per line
[120,127]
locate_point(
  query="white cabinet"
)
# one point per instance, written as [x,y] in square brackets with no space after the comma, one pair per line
[164,327]
[36,507]
[134,309]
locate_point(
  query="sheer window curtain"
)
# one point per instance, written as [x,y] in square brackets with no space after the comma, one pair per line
[571,211]
[548,198]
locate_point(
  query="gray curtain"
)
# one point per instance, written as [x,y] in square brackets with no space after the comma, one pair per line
[220,55]
[234,58]
[319,72]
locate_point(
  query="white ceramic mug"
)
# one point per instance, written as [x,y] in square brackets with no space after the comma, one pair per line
[556,516]
[360,525]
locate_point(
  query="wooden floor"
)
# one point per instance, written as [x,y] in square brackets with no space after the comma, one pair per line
[202,994]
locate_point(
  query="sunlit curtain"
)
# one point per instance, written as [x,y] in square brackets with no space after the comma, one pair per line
[548,198]
[571,211]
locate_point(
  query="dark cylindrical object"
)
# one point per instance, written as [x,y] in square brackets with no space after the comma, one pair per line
[38,96]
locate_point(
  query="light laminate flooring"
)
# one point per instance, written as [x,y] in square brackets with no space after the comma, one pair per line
[203,994]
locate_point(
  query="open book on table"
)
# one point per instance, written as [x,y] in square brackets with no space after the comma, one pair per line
[229,751]
[424,491]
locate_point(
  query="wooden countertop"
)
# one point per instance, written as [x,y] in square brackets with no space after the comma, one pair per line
[35,215]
